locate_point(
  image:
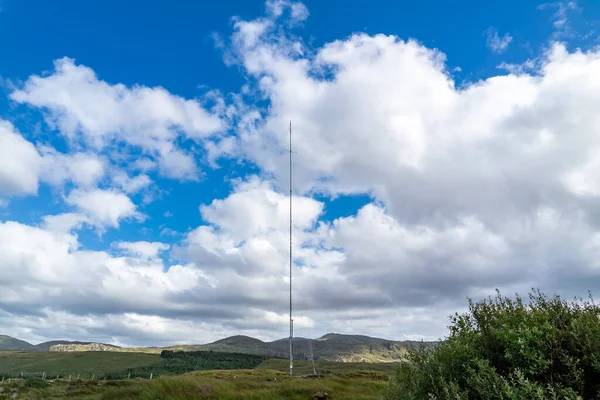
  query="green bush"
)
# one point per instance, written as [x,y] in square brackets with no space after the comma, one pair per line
[35,382]
[502,348]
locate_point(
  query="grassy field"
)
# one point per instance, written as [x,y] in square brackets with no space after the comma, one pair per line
[327,367]
[269,380]
[85,363]
[226,385]
[12,363]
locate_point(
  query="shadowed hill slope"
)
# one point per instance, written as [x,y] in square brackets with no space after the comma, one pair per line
[10,343]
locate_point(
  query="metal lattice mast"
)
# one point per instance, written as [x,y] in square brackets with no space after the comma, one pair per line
[291,320]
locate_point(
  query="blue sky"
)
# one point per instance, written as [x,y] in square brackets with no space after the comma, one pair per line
[170,44]
[442,150]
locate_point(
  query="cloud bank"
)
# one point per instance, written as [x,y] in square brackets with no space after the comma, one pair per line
[473,186]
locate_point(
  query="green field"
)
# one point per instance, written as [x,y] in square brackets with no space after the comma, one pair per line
[327,367]
[86,363]
[225,385]
[269,380]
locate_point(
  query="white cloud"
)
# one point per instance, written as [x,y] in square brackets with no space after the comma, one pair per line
[496,43]
[89,110]
[528,66]
[174,163]
[256,208]
[560,18]
[276,8]
[63,223]
[83,169]
[143,249]
[131,184]
[475,186]
[168,232]
[389,121]
[103,207]
[20,163]
[47,278]
[144,164]
[235,279]
[493,184]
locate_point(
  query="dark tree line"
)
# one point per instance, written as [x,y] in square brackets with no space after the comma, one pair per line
[181,362]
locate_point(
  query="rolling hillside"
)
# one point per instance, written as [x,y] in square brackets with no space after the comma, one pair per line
[47,345]
[333,347]
[10,343]
[330,347]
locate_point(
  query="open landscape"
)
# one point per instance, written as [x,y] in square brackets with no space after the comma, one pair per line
[101,364]
[255,384]
[502,348]
[238,367]
[233,368]
[300,199]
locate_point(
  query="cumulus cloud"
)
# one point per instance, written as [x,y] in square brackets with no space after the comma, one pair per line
[131,184]
[143,249]
[105,208]
[490,184]
[83,169]
[389,121]
[89,110]
[20,163]
[370,269]
[475,186]
[63,223]
[255,207]
[91,290]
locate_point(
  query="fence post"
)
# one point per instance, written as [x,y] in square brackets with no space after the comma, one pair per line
[21,375]
[77,376]
[150,375]
[93,376]
[69,378]
[128,375]
[2,379]
[44,375]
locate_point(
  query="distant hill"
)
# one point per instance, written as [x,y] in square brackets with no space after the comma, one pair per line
[82,346]
[332,347]
[47,345]
[10,343]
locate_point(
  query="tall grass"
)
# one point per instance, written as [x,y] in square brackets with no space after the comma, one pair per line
[225,385]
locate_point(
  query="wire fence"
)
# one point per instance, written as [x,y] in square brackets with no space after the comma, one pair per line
[87,376]
[171,363]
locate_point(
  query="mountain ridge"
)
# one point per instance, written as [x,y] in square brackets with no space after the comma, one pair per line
[331,346]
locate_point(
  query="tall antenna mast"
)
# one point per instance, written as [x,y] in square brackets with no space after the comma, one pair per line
[291,320]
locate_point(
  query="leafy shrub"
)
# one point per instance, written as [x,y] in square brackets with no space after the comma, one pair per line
[35,382]
[508,349]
